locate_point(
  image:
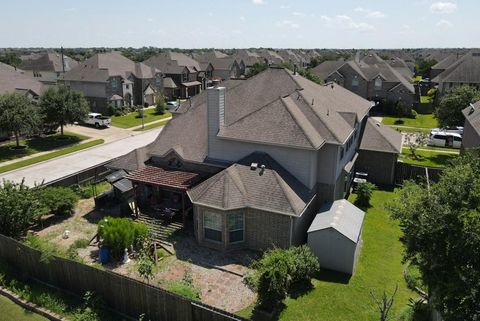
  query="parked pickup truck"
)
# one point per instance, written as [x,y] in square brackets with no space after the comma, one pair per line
[98,120]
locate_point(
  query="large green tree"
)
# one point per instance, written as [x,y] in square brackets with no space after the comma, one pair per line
[423,67]
[441,226]
[449,111]
[62,106]
[18,115]
[11,58]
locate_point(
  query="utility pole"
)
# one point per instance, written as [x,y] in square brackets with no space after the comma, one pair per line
[63,60]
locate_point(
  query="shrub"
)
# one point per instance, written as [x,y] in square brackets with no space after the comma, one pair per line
[59,200]
[72,252]
[305,264]
[48,249]
[185,287]
[364,193]
[413,114]
[160,105]
[121,233]
[19,208]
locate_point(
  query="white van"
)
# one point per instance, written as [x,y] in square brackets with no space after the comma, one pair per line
[445,139]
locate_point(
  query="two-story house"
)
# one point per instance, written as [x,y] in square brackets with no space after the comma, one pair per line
[370,77]
[258,159]
[224,66]
[47,67]
[464,71]
[110,80]
[15,80]
[471,131]
[187,74]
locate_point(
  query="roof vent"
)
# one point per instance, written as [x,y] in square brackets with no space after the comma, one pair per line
[378,124]
[472,109]
[262,169]
[253,166]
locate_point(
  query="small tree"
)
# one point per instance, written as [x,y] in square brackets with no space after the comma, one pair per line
[146,267]
[449,111]
[305,265]
[19,208]
[62,106]
[121,233]
[384,304]
[364,193]
[414,141]
[18,115]
[58,200]
[160,105]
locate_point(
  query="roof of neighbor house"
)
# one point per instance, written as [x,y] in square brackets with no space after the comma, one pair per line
[273,107]
[380,138]
[270,189]
[131,161]
[464,70]
[342,216]
[223,63]
[14,81]
[327,68]
[173,62]
[102,66]
[157,176]
[6,67]
[169,83]
[249,57]
[402,67]
[209,55]
[48,61]
[447,62]
[472,115]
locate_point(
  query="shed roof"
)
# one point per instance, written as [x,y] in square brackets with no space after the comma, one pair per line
[380,138]
[341,215]
[161,177]
[472,115]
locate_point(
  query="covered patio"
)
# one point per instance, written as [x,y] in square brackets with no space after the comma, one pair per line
[161,193]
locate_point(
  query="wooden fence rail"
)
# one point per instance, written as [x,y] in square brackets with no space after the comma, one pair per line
[405,172]
[125,295]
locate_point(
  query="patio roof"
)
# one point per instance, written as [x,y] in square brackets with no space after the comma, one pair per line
[157,176]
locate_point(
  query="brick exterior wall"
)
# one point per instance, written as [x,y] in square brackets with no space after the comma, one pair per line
[470,137]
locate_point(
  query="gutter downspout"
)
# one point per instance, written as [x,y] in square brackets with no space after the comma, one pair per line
[291,230]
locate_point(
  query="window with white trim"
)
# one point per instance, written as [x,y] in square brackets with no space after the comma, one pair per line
[212,226]
[378,83]
[236,223]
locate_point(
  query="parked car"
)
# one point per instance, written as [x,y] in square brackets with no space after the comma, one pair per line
[98,120]
[445,139]
[172,105]
[454,130]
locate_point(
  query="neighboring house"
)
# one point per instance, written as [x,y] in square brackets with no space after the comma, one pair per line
[370,77]
[335,236]
[270,57]
[379,152]
[465,71]
[471,131]
[12,80]
[249,164]
[443,64]
[249,59]
[47,67]
[186,73]
[110,80]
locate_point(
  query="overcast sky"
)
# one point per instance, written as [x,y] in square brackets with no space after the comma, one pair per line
[240,23]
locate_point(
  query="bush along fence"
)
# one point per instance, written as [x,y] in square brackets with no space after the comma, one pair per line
[130,297]
[405,172]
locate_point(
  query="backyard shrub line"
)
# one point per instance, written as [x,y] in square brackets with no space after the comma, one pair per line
[30,306]
[156,302]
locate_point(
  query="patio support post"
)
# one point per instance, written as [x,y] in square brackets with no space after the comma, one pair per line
[135,200]
[184,216]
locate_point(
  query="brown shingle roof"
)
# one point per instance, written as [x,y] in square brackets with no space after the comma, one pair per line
[464,70]
[48,61]
[173,62]
[157,176]
[11,81]
[472,115]
[380,138]
[238,186]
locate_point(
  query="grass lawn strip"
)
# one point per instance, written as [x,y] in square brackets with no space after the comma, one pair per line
[131,119]
[421,121]
[51,155]
[11,311]
[151,126]
[39,144]
[428,158]
[379,269]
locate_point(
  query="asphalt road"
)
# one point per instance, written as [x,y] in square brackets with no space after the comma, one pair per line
[59,167]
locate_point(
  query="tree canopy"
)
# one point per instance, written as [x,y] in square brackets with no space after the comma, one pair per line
[423,67]
[62,105]
[441,227]
[449,111]
[18,115]
[11,59]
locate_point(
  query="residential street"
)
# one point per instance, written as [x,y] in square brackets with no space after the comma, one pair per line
[72,163]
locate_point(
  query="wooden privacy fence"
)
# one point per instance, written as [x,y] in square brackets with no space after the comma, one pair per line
[405,172]
[122,294]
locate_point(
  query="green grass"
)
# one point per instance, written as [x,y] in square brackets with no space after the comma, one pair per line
[421,121]
[379,269]
[11,311]
[131,119]
[51,155]
[39,144]
[427,158]
[411,130]
[151,126]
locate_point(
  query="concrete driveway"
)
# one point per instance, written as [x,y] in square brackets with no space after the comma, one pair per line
[70,164]
[108,134]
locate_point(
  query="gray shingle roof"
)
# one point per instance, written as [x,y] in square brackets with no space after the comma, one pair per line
[464,70]
[104,65]
[472,115]
[48,61]
[446,62]
[173,62]
[238,186]
[169,83]
[326,68]
[131,161]
[11,81]
[380,138]
[341,215]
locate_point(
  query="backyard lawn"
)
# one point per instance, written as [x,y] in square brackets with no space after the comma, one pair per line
[39,144]
[10,311]
[131,119]
[421,121]
[380,268]
[431,158]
